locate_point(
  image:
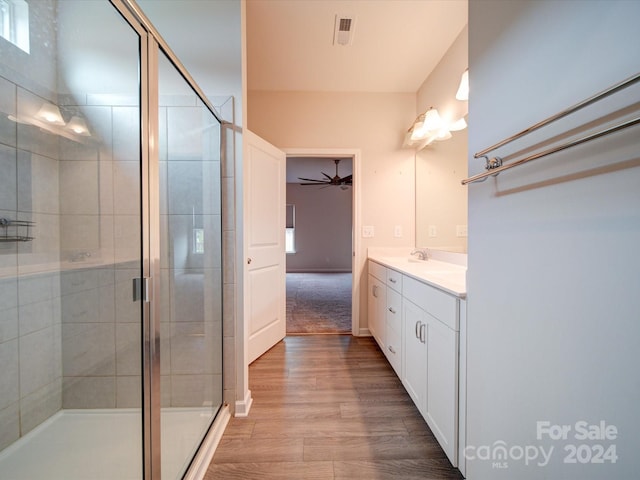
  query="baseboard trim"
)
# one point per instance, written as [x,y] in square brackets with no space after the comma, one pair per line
[243,406]
[201,462]
[364,332]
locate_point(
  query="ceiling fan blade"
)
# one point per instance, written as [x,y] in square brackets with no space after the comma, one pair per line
[347,179]
[312,180]
[315,183]
[330,178]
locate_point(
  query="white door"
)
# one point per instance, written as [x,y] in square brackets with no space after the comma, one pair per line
[264,266]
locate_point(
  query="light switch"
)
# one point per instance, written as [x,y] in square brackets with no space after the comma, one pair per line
[433,231]
[367,231]
[397,231]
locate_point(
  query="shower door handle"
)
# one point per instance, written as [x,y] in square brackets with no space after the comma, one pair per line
[142,289]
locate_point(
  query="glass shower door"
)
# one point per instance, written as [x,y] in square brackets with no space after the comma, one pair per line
[191,269]
[70,245]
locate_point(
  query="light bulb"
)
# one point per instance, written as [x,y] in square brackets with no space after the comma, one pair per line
[50,114]
[432,120]
[443,134]
[78,126]
[419,128]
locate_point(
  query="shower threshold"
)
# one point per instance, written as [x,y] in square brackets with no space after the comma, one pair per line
[104,444]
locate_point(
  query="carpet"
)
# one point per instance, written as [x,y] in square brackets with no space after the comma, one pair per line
[318,303]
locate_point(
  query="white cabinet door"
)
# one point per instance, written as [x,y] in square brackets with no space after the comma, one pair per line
[441,406]
[376,305]
[414,354]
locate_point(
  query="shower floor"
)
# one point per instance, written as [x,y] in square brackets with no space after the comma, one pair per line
[101,445]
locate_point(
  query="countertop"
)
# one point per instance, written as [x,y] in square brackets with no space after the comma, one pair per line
[444,275]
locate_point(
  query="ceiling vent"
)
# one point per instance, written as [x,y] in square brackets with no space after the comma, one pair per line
[343,30]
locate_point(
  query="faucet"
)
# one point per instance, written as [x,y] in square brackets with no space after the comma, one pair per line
[421,253]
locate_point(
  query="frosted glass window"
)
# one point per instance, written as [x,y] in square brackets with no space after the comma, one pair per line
[14,23]
[198,240]
[290,232]
[289,238]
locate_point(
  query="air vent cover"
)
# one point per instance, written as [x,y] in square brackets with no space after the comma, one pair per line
[343,30]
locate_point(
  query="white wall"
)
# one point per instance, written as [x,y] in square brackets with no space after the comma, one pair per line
[441,200]
[323,225]
[372,122]
[553,272]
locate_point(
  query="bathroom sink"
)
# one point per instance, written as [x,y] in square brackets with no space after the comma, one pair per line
[415,260]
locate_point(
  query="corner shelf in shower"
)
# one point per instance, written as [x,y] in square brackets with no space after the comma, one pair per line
[15,230]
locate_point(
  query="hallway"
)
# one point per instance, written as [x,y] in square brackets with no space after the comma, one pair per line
[328,407]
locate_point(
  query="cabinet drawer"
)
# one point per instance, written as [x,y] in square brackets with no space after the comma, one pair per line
[394,310]
[394,280]
[378,271]
[393,351]
[440,305]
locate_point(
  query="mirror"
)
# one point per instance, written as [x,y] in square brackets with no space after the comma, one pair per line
[441,200]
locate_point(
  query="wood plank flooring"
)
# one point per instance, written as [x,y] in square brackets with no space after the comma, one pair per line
[328,407]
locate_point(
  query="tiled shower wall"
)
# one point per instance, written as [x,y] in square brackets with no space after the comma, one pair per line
[69,330]
[100,242]
[30,319]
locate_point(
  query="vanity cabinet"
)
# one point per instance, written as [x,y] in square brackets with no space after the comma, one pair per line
[377,307]
[431,321]
[394,330]
[385,306]
[393,320]
[422,345]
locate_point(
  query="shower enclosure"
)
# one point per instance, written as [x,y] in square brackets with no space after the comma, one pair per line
[110,247]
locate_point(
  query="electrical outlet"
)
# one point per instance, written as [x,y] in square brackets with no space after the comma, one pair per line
[433,231]
[367,231]
[397,231]
[461,230]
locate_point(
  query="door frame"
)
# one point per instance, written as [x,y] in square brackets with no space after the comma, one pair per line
[356,259]
[244,399]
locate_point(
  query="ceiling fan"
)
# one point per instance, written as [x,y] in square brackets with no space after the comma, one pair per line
[343,182]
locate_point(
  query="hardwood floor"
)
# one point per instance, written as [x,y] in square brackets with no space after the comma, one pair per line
[328,407]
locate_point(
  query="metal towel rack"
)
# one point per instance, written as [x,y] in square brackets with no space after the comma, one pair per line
[494,165]
[19,230]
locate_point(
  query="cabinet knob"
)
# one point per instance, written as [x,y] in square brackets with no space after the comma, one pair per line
[249,261]
[392,350]
[392,310]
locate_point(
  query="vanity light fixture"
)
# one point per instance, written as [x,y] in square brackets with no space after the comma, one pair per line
[429,126]
[443,134]
[457,125]
[50,113]
[432,120]
[426,124]
[78,126]
[417,130]
[463,89]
